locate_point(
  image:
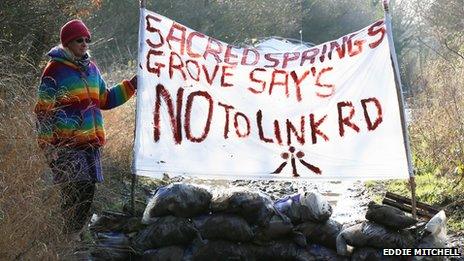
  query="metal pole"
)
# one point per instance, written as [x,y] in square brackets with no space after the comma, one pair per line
[399,92]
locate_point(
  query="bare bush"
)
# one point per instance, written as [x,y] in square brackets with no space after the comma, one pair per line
[30,221]
[437,129]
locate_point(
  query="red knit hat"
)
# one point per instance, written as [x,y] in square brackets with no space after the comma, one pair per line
[72,30]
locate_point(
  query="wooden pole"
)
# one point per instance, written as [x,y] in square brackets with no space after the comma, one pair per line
[132,201]
[142,4]
[399,91]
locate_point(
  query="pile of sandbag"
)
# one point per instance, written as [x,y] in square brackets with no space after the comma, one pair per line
[389,227]
[189,222]
[234,224]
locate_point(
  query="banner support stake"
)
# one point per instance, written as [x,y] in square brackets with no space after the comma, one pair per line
[142,4]
[399,91]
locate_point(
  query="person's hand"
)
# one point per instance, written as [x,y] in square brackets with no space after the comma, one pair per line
[133,81]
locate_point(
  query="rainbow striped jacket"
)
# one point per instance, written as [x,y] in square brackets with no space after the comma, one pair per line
[70,100]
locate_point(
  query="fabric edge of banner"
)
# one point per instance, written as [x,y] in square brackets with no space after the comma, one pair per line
[138,106]
[399,94]
[162,174]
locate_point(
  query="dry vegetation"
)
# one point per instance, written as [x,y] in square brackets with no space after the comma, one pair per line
[30,226]
[438,115]
[30,222]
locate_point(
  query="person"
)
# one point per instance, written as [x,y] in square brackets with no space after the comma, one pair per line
[71,95]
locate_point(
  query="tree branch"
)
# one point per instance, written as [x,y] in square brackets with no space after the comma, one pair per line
[452,50]
[457,202]
[438,53]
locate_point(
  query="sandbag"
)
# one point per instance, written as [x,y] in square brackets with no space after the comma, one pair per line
[111,246]
[437,224]
[278,227]
[177,199]
[280,251]
[323,253]
[370,234]
[254,207]
[169,253]
[308,206]
[388,216]
[221,250]
[115,222]
[324,234]
[166,231]
[227,227]
[433,235]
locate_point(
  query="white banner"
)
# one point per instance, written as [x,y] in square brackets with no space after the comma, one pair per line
[206,108]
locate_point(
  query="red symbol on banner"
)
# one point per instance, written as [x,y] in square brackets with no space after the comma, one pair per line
[299,155]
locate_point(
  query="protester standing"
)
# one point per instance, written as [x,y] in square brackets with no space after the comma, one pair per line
[71,95]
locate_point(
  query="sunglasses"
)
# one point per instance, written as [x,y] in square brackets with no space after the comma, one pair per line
[81,40]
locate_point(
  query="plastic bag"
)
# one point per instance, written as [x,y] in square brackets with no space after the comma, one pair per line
[166,231]
[368,234]
[177,199]
[388,216]
[324,234]
[227,227]
[437,225]
[307,206]
[434,235]
[254,207]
